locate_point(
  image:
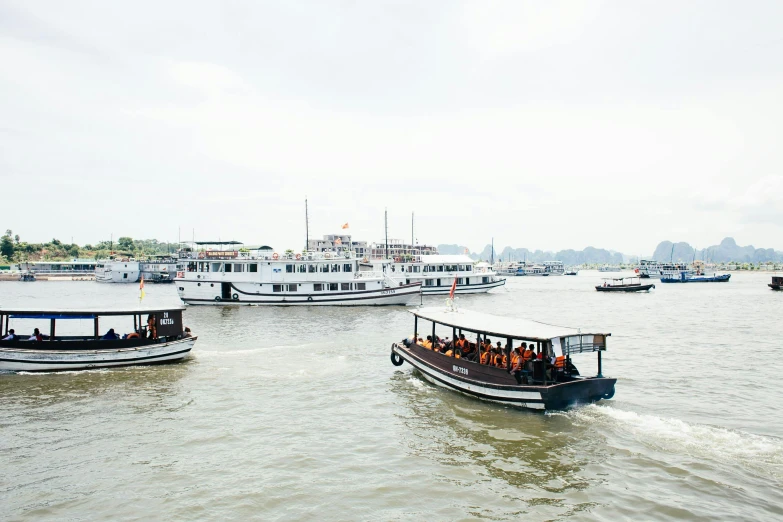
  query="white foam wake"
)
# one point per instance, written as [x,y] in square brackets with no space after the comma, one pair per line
[753,451]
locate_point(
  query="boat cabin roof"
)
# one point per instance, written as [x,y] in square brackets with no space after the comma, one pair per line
[497,326]
[83,313]
[219,243]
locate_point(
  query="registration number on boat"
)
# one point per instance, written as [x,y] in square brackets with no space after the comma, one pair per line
[459,369]
[388,292]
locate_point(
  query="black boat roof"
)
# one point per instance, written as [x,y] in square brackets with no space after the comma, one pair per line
[83,313]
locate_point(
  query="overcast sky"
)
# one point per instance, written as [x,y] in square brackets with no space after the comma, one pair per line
[547,125]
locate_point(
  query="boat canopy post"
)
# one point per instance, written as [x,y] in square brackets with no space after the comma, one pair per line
[134,322]
[599,364]
[433,332]
[509,344]
[454,337]
[415,328]
[51,329]
[2,316]
[96,327]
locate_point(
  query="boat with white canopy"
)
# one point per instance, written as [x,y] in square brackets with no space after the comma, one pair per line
[157,336]
[545,382]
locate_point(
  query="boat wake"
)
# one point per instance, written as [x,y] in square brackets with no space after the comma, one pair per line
[669,435]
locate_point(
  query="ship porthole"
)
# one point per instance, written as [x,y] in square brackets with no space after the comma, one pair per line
[309,298]
[199,284]
[236,297]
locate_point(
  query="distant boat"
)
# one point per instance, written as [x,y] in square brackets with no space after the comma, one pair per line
[572,272]
[607,268]
[689,277]
[624,284]
[777,283]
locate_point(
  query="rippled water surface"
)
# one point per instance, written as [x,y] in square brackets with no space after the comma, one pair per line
[297,414]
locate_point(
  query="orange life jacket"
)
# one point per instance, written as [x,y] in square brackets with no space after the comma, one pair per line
[449,353]
[560,361]
[484,357]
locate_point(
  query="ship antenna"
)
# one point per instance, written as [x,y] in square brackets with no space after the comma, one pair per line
[307,227]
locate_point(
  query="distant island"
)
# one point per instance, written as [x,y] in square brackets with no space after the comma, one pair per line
[727,251]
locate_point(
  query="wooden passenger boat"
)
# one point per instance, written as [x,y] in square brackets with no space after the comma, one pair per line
[624,284]
[777,283]
[540,385]
[157,337]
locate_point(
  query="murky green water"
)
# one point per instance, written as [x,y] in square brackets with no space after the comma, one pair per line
[297,414]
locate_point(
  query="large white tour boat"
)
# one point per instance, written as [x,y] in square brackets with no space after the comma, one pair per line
[436,273]
[554,268]
[310,278]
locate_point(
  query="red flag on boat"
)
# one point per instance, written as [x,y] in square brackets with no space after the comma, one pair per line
[453,288]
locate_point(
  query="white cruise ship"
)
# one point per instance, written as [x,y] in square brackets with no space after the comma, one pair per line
[312,278]
[436,273]
[120,270]
[655,269]
[555,268]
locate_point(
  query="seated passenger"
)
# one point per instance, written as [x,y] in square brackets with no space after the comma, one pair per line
[11,336]
[500,359]
[528,354]
[428,343]
[449,353]
[485,356]
[516,359]
[463,345]
[36,336]
[187,333]
[110,335]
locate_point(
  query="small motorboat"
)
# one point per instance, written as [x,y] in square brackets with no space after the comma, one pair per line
[572,272]
[777,283]
[624,284]
[547,382]
[160,338]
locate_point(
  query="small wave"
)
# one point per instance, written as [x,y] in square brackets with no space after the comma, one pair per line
[68,372]
[674,435]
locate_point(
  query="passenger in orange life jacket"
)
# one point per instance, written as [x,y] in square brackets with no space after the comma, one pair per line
[463,346]
[486,354]
[500,359]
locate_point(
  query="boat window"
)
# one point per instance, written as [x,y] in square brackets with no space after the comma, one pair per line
[311,269]
[485,279]
[417,269]
[277,288]
[468,268]
[460,281]
[252,267]
[335,268]
[361,286]
[238,267]
[323,267]
[217,267]
[292,288]
[345,286]
[332,287]
[440,268]
[428,282]
[227,267]
[461,268]
[301,268]
[347,267]
[289,269]
[125,276]
[318,287]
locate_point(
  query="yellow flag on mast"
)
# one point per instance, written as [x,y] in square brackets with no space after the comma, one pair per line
[141,288]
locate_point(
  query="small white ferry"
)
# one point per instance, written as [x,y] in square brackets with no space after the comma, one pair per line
[555,268]
[118,270]
[302,279]
[656,270]
[436,273]
[534,270]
